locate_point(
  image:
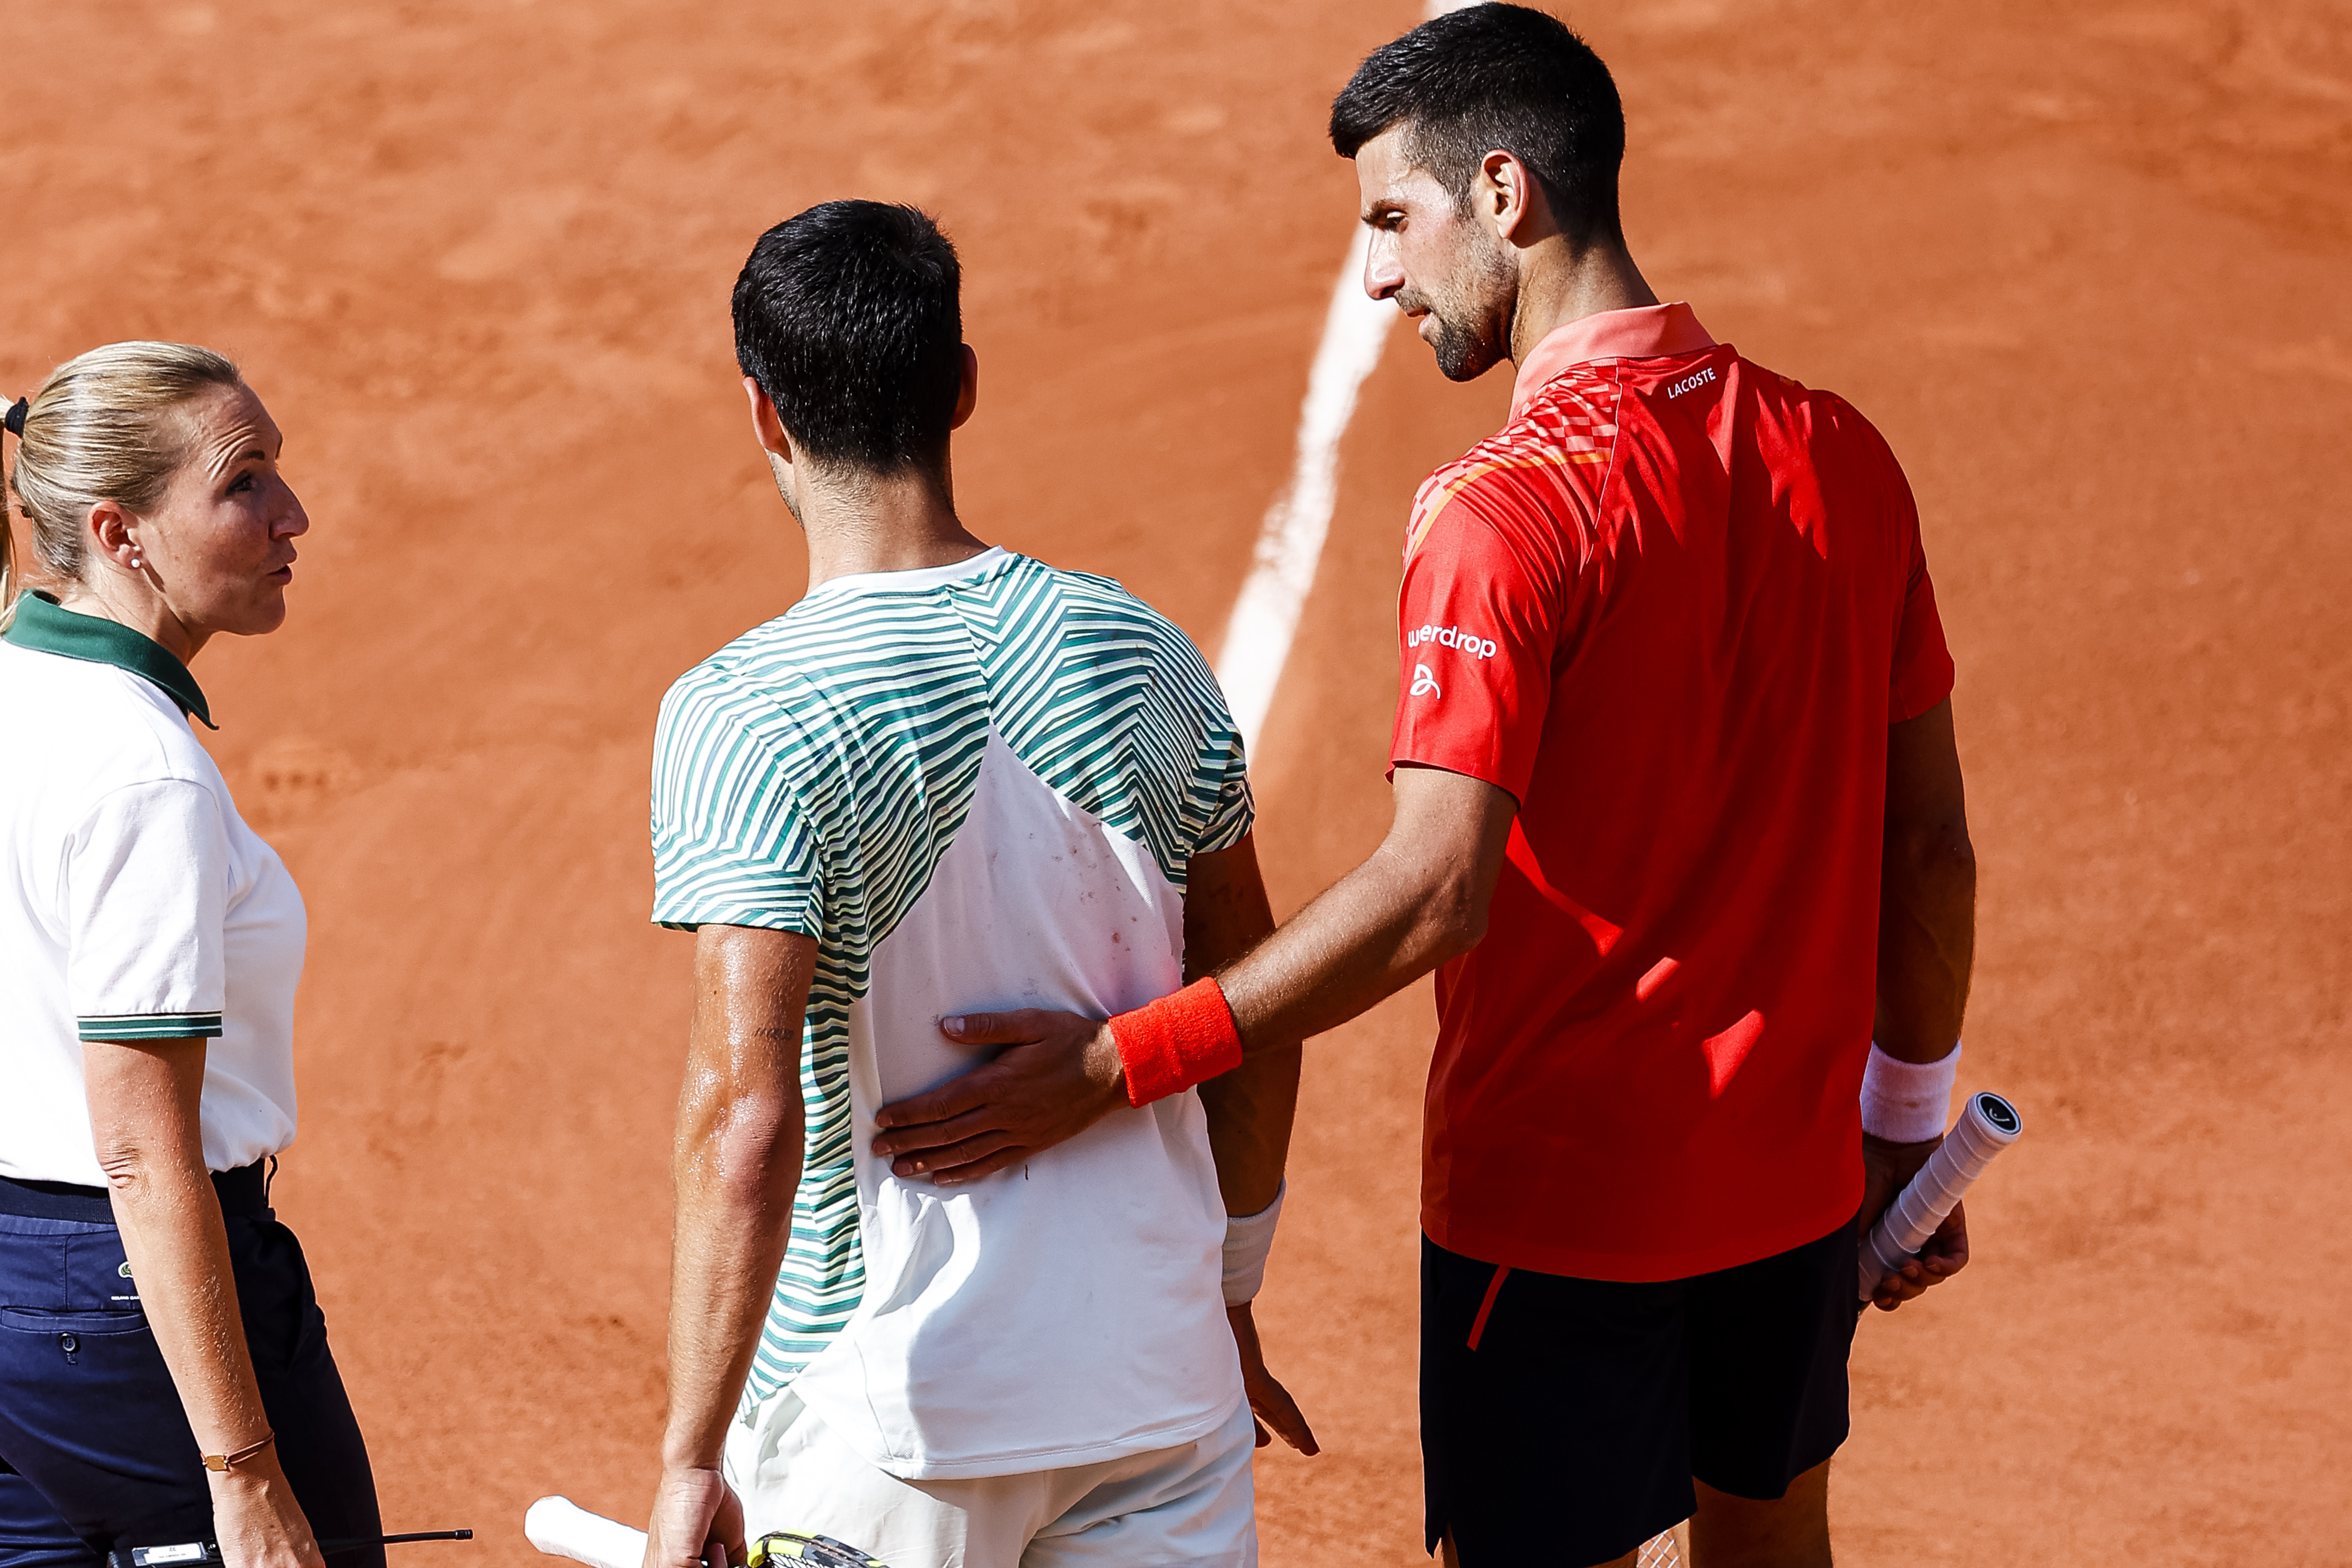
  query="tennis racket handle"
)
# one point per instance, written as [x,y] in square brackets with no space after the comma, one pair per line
[1988,1124]
[561,1528]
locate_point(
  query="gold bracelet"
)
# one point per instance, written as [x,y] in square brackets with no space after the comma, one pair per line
[221,1464]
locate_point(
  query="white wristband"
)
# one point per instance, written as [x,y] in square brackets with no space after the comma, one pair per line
[1247,1241]
[1907,1102]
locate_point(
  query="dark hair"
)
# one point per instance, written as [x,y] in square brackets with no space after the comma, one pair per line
[1494,77]
[849,317]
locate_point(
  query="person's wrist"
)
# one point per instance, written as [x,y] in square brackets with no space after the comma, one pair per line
[693,1442]
[254,1474]
[1105,1073]
[247,1494]
[1183,1038]
[687,1460]
[1906,1101]
[1895,1163]
[1889,1150]
[1890,1146]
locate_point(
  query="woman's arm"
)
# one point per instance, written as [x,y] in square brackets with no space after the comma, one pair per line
[144,1100]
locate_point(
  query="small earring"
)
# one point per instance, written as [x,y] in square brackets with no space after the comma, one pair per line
[137,562]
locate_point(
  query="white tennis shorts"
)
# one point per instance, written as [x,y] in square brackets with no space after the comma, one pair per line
[1193,1504]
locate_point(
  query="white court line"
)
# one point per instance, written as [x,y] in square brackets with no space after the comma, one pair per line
[1290,541]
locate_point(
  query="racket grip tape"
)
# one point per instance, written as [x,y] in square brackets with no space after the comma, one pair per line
[1988,1124]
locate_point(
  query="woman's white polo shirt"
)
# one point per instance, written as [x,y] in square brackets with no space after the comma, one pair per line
[134,902]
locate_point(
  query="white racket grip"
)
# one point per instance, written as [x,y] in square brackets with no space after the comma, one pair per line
[561,1528]
[1988,1124]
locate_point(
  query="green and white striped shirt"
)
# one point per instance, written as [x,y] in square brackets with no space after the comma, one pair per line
[811,775]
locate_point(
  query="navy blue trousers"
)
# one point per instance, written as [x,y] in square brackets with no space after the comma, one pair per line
[95,1450]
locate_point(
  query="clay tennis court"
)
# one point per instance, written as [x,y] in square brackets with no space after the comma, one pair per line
[2087,271]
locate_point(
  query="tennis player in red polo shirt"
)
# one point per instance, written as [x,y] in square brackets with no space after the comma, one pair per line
[1679,825]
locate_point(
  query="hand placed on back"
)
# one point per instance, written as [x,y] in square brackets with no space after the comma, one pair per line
[1060,1075]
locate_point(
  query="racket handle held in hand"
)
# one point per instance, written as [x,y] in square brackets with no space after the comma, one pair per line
[1988,1124]
[561,1528]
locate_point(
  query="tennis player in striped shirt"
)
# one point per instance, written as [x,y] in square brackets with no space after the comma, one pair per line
[949,779]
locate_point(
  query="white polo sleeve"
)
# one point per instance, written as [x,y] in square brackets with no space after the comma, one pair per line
[146,877]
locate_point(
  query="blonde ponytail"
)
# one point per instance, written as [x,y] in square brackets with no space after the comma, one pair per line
[101,428]
[7,567]
[11,424]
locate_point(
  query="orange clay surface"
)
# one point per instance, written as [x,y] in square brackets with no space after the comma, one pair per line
[2089,274]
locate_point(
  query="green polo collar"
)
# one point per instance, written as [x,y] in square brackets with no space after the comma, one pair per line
[46,626]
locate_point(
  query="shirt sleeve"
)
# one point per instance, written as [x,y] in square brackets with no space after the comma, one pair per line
[147,881]
[1220,788]
[1922,671]
[1226,771]
[732,843]
[1477,623]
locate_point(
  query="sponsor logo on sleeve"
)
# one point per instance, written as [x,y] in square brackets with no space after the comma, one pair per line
[1454,638]
[1423,683]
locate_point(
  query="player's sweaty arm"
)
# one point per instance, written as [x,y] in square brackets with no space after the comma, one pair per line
[735,1166]
[1926,945]
[1251,1109]
[1422,899]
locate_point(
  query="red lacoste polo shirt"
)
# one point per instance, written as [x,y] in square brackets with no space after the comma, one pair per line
[1671,608]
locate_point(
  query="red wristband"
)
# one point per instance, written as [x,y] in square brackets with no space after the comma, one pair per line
[1169,1046]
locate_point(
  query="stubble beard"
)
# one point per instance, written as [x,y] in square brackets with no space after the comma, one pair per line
[1473,319]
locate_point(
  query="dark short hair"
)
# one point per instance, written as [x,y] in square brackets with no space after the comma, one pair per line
[850,318]
[1496,77]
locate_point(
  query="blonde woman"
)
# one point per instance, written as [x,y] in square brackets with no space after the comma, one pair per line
[164,1375]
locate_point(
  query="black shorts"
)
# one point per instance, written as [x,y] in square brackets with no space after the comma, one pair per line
[1561,1420]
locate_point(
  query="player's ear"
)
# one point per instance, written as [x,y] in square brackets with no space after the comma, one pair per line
[767,425]
[1511,198]
[968,395]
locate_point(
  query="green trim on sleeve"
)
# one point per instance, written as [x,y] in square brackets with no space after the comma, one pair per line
[46,626]
[119,1026]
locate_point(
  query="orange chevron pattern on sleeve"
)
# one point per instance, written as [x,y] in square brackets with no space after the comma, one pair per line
[1570,426]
